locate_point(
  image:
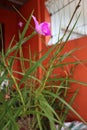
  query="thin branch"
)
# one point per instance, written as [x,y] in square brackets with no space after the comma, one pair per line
[78,5]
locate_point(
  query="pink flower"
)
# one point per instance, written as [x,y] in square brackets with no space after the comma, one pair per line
[20,24]
[42,28]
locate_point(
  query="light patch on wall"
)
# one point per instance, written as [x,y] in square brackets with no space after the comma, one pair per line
[61,12]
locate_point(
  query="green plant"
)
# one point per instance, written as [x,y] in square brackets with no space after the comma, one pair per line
[41,102]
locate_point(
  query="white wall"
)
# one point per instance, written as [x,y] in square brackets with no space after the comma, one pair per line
[61,12]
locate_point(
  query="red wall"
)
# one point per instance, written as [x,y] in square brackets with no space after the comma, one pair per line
[26,11]
[9,19]
[40,13]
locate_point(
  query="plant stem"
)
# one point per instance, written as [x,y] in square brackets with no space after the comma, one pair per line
[18,89]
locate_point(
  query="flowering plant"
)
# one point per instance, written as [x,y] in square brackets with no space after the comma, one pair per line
[29,102]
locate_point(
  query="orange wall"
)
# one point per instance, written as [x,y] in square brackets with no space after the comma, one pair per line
[80,74]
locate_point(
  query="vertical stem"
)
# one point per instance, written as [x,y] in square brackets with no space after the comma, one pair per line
[18,89]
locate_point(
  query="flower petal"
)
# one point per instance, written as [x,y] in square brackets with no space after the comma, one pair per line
[42,28]
[36,22]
